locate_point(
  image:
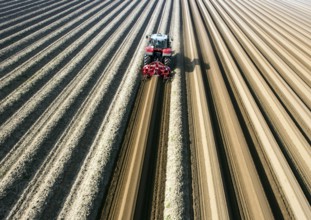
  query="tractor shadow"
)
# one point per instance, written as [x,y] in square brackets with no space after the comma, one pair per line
[186,64]
[190,64]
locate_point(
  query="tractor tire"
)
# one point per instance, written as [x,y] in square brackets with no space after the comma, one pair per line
[147,60]
[167,61]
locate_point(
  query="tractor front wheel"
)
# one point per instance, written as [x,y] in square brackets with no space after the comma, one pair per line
[147,59]
[167,61]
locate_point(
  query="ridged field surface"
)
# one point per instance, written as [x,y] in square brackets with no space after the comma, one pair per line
[82,136]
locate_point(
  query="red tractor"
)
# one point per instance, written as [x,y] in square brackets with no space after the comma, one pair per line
[158,53]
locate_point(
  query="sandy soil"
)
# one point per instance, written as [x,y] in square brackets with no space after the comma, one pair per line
[239,120]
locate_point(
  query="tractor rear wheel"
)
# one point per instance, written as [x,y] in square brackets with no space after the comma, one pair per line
[167,61]
[147,59]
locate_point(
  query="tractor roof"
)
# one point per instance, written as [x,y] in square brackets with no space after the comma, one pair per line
[159,37]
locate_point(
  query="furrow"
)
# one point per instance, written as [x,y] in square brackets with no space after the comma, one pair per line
[284,16]
[290,13]
[17,24]
[293,10]
[23,9]
[164,19]
[58,80]
[275,9]
[46,130]
[126,197]
[279,19]
[247,196]
[299,51]
[294,142]
[71,142]
[150,202]
[70,67]
[227,137]
[177,191]
[29,36]
[277,23]
[207,175]
[291,77]
[291,198]
[36,26]
[140,148]
[290,99]
[72,42]
[7,5]
[297,6]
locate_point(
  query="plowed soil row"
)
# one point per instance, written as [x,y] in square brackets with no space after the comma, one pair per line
[81,136]
[137,187]
[47,125]
[251,155]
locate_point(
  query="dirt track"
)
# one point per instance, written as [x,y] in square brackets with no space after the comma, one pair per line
[81,136]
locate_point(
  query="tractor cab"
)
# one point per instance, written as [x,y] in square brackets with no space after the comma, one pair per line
[159,41]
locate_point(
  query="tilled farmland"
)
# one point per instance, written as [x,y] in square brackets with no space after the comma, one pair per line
[82,136]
